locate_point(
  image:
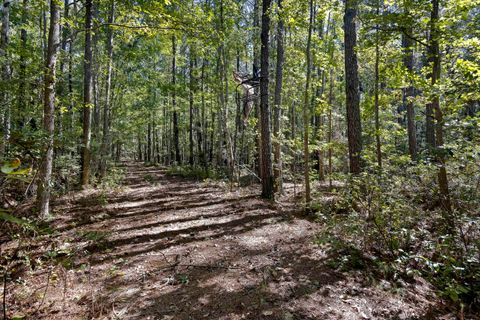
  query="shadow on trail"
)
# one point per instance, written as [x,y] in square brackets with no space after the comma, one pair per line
[172,248]
[204,297]
[170,238]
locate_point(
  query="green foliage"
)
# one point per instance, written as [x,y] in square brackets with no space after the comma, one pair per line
[113,179]
[183,279]
[66,173]
[198,173]
[5,216]
[11,170]
[389,224]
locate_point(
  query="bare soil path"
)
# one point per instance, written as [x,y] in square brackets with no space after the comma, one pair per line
[165,247]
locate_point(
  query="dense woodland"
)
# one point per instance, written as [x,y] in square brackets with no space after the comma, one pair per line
[361,116]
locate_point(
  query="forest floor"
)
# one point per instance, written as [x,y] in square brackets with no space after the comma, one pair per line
[165,247]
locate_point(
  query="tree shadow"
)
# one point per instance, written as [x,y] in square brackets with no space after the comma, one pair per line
[94,215]
[204,292]
[171,238]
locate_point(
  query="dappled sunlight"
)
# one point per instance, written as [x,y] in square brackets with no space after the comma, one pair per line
[203,253]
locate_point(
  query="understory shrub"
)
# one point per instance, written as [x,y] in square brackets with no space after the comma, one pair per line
[391,224]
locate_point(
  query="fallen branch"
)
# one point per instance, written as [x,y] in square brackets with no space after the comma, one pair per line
[206,266]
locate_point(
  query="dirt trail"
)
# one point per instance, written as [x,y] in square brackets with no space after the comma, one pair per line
[170,248]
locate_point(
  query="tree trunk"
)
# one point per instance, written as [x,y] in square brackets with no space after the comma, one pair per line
[70,71]
[439,154]
[277,172]
[330,126]
[148,157]
[5,110]
[202,147]
[377,107]
[354,128]
[306,113]
[191,87]
[256,62]
[108,89]
[266,165]
[22,87]
[43,193]
[95,88]
[320,118]
[429,126]
[87,96]
[408,62]
[176,142]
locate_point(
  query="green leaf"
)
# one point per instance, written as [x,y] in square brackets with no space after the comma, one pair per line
[5,216]
[22,171]
[8,167]
[8,217]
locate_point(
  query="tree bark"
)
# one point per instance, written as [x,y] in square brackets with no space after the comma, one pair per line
[43,193]
[70,69]
[330,127]
[5,104]
[306,113]
[22,87]
[256,62]
[277,102]
[354,128]
[439,154]
[148,157]
[176,142]
[201,124]
[108,90]
[409,92]
[266,165]
[377,107]
[191,114]
[87,96]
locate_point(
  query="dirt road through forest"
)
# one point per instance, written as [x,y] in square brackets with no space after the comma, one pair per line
[165,247]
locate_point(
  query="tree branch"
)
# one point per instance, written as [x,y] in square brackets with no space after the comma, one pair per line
[398,29]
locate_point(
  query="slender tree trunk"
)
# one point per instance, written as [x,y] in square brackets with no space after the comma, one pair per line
[63,81]
[267,174]
[191,106]
[176,142]
[22,87]
[148,157]
[44,33]
[330,127]
[439,154]
[277,172]
[319,124]
[408,61]
[43,194]
[320,118]
[201,126]
[429,109]
[225,141]
[87,95]
[70,71]
[256,63]
[306,113]
[95,87]
[429,126]
[354,128]
[108,89]
[5,103]
[377,107]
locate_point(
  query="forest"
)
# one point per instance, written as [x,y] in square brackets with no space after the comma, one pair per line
[240,159]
